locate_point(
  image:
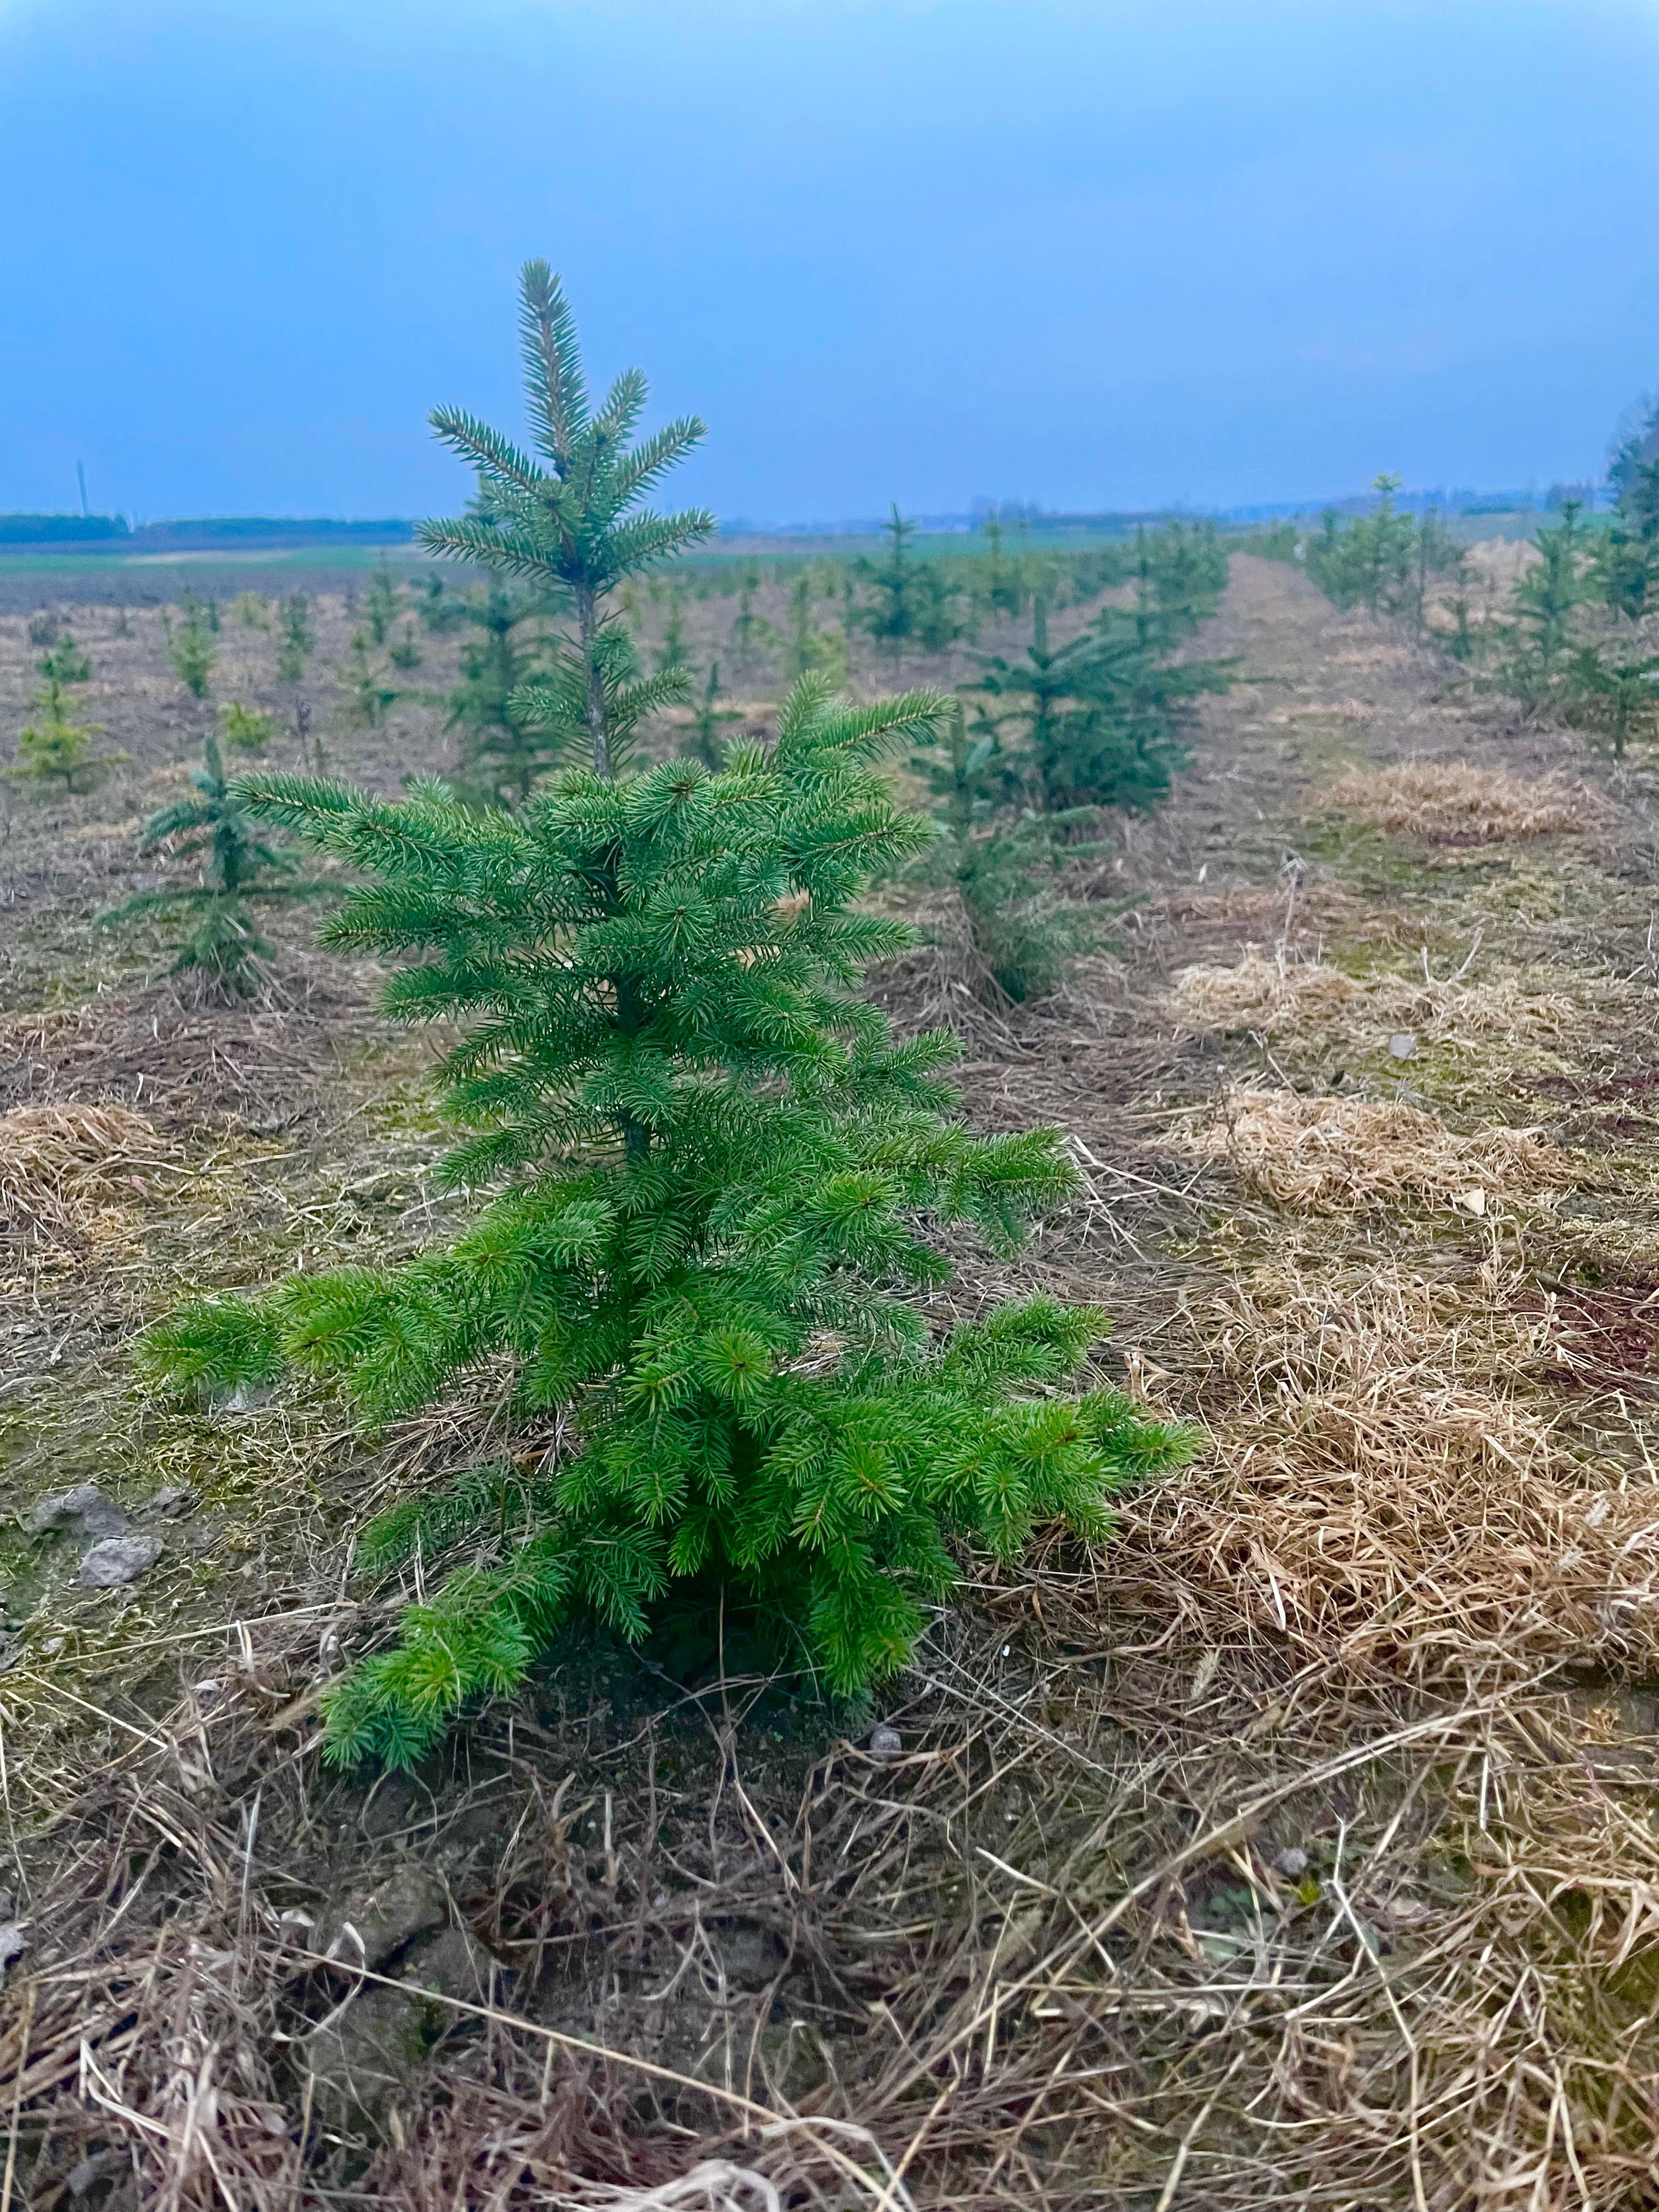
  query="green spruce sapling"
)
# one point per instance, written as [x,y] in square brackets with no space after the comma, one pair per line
[1544,600]
[1625,566]
[67,661]
[237,869]
[1002,582]
[716,1170]
[439,608]
[249,729]
[892,614]
[54,748]
[191,646]
[365,691]
[709,720]
[381,602]
[298,641]
[673,652]
[1002,865]
[502,751]
[752,635]
[1608,687]
[1099,721]
[809,649]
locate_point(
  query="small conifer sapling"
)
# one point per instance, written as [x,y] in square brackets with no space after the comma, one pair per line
[238,867]
[297,641]
[66,660]
[365,691]
[501,753]
[55,749]
[248,729]
[381,602]
[191,646]
[716,1170]
[1002,863]
[710,722]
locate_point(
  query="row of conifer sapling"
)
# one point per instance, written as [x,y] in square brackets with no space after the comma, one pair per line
[1577,639]
[708,1186]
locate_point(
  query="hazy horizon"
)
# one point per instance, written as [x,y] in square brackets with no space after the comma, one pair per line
[930,251]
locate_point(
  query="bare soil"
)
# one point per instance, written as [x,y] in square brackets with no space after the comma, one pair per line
[1297,1848]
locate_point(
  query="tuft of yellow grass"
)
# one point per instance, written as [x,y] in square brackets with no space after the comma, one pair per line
[1454,803]
[1336,1155]
[1279,995]
[1386,1492]
[1262,992]
[60,1166]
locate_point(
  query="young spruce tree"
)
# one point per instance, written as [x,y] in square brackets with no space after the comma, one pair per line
[503,750]
[236,867]
[715,1170]
[191,645]
[1002,863]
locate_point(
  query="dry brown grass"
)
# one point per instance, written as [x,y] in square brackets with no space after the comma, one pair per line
[61,1167]
[1262,992]
[1050,1957]
[1386,1490]
[1275,994]
[1454,803]
[1341,1155]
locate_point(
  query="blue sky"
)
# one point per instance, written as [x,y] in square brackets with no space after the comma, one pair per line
[1069,251]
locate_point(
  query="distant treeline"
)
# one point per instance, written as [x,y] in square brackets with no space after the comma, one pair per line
[61,529]
[201,535]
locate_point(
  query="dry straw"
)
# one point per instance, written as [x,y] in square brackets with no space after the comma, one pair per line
[1342,1155]
[1454,803]
[62,1166]
[1276,995]
[1386,1491]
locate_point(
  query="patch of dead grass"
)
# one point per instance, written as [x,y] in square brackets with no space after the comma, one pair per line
[1349,1155]
[1455,803]
[61,1167]
[1387,1492]
[1279,996]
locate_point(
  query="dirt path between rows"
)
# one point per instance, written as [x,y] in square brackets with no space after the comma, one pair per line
[1296,1848]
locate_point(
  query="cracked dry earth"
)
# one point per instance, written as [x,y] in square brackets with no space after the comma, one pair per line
[1298,1848]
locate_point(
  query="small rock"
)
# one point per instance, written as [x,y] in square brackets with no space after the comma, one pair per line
[1401,1045]
[1403,1912]
[363,2059]
[885,1743]
[1291,1863]
[452,1964]
[749,1956]
[84,2178]
[408,1904]
[246,1398]
[170,1500]
[118,1559]
[82,1511]
[13,1943]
